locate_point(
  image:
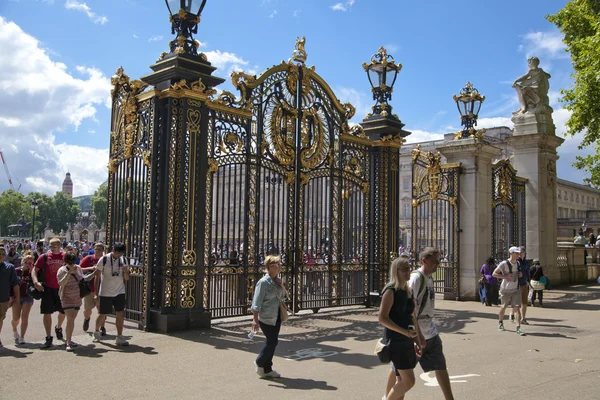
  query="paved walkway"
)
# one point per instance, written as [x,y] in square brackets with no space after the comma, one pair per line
[322,356]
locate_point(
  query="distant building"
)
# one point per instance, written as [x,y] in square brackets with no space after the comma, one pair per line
[67,186]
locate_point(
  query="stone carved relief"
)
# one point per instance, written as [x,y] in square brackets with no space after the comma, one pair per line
[551,168]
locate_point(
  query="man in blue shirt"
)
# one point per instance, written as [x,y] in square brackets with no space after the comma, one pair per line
[8,280]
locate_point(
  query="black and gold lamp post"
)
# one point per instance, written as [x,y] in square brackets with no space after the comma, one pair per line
[184,23]
[385,130]
[469,103]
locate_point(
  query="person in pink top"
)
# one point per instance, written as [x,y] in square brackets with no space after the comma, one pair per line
[69,276]
[88,265]
[50,264]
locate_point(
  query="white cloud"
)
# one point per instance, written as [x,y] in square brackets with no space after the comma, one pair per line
[345,6]
[135,36]
[155,38]
[544,45]
[84,8]
[418,136]
[225,60]
[41,99]
[297,12]
[273,14]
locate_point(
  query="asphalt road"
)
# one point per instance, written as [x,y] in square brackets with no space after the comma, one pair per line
[322,356]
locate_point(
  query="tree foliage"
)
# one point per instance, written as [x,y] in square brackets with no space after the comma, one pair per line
[579,21]
[12,206]
[64,212]
[100,205]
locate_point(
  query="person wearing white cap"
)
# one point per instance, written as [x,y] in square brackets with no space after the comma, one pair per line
[509,288]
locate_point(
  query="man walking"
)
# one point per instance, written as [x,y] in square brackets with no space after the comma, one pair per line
[8,281]
[523,269]
[88,265]
[509,288]
[430,344]
[50,263]
[111,272]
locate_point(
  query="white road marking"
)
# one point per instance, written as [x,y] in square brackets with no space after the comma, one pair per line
[432,381]
[310,353]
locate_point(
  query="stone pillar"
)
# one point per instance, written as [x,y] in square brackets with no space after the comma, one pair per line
[534,157]
[475,208]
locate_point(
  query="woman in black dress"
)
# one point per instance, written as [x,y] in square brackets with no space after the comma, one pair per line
[396,314]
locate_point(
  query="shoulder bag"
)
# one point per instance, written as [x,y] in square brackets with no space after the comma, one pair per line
[31,290]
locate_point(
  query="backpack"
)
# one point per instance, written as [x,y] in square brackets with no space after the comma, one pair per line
[422,285]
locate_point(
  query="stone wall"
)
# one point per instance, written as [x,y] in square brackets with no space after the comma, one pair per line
[572,265]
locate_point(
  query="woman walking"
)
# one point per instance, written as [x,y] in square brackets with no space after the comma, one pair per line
[491,283]
[265,307]
[396,314]
[69,276]
[21,309]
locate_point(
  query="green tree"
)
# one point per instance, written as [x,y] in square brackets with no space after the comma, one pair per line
[100,205]
[579,21]
[12,206]
[64,211]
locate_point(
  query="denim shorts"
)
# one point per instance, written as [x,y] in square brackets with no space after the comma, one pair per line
[26,300]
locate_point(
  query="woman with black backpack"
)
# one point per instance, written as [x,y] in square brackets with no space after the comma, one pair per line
[396,314]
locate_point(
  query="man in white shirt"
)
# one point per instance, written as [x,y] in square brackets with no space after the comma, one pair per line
[112,272]
[507,271]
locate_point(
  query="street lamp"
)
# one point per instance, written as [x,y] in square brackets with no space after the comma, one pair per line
[34,205]
[469,103]
[184,24]
[382,74]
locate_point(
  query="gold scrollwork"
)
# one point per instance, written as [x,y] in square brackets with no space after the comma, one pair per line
[290,177]
[213,165]
[188,258]
[188,298]
[304,178]
[188,272]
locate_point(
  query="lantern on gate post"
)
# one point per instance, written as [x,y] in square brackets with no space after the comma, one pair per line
[469,103]
[382,73]
[184,24]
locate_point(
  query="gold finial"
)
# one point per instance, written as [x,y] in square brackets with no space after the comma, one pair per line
[299,54]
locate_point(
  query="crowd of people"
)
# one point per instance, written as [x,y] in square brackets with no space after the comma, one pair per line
[58,276]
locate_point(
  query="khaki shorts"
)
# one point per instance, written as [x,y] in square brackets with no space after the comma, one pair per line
[88,302]
[511,298]
[524,293]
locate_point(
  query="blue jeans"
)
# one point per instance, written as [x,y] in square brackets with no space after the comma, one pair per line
[265,357]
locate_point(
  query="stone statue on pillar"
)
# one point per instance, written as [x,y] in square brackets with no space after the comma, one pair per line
[535,113]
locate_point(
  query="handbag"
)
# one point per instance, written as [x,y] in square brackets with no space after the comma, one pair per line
[85,288]
[31,290]
[383,351]
[283,311]
[482,280]
[538,285]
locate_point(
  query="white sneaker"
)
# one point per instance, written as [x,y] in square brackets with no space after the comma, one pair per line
[121,341]
[272,374]
[96,336]
[259,370]
[16,335]
[21,341]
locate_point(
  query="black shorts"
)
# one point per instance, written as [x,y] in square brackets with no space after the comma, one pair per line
[403,354]
[433,358]
[108,303]
[50,302]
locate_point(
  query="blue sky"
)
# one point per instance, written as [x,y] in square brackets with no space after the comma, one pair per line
[58,56]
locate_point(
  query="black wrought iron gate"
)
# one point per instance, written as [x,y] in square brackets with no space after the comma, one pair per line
[294,184]
[508,209]
[435,215]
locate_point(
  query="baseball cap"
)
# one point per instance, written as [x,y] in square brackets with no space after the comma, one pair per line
[536,260]
[514,249]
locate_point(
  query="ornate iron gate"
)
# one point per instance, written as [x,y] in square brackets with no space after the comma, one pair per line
[508,209]
[293,183]
[435,215]
[128,184]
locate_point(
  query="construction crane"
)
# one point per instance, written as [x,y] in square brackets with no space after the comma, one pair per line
[7,172]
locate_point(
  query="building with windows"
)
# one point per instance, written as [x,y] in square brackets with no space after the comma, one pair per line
[578,208]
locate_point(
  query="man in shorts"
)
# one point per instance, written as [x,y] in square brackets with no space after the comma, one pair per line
[8,281]
[88,265]
[430,344]
[50,263]
[510,294]
[111,274]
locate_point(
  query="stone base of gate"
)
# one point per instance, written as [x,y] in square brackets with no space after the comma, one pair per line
[179,321]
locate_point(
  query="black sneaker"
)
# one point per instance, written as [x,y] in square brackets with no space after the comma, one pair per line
[47,344]
[103,331]
[86,324]
[59,333]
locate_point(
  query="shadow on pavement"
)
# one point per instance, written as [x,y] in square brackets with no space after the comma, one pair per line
[91,351]
[301,384]
[5,352]
[131,348]
[550,335]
